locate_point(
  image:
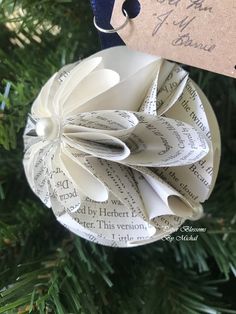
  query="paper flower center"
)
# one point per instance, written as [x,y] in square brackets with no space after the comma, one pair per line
[47,128]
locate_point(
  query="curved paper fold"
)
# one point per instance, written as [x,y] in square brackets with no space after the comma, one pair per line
[69,80]
[117,177]
[60,186]
[215,152]
[82,178]
[40,107]
[159,142]
[135,70]
[172,81]
[117,123]
[197,180]
[30,158]
[98,145]
[93,85]
[174,201]
[162,199]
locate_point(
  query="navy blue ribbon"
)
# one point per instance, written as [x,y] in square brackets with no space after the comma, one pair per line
[102,10]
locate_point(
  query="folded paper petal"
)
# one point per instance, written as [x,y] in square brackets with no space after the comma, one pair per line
[77,74]
[118,123]
[161,142]
[135,69]
[193,108]
[98,145]
[171,88]
[87,183]
[34,163]
[40,107]
[94,84]
[117,177]
[61,186]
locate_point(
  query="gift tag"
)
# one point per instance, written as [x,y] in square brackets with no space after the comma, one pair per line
[199,33]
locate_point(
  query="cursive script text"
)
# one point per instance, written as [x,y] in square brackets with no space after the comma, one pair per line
[185,40]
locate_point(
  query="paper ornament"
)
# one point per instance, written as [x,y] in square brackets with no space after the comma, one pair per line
[123,146]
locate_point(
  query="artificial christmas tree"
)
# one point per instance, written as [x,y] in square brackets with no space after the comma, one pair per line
[46,269]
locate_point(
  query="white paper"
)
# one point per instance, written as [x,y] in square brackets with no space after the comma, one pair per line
[123,146]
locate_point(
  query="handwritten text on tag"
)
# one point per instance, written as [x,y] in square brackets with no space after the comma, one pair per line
[201,33]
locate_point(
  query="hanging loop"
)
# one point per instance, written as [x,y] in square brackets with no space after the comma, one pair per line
[112,30]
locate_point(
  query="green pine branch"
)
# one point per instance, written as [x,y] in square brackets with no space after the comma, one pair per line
[43,268]
[72,280]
